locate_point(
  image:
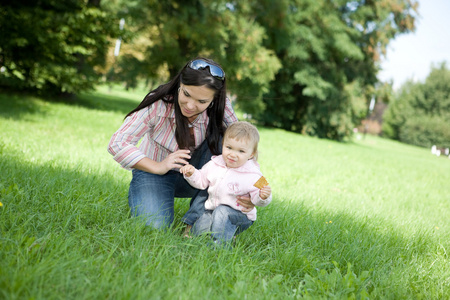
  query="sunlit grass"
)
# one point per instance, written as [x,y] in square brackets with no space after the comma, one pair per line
[362,218]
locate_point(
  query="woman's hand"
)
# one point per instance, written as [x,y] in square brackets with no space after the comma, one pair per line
[175,160]
[187,170]
[245,202]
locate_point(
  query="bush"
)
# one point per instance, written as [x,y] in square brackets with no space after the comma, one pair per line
[419,115]
[426,131]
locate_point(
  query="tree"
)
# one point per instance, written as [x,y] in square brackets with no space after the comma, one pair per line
[178,31]
[53,46]
[420,113]
[330,53]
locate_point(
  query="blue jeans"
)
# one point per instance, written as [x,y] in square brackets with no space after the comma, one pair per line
[151,197]
[222,223]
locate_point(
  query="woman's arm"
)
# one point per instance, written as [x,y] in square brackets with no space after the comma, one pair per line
[122,145]
[173,161]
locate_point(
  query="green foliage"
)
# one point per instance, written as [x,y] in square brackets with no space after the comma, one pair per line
[420,113]
[250,65]
[129,70]
[53,47]
[182,30]
[306,66]
[303,65]
[335,285]
[329,52]
[426,131]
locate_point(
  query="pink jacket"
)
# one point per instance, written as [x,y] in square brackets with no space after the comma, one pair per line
[226,183]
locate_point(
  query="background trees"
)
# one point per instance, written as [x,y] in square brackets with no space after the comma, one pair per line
[52,46]
[180,30]
[330,53]
[303,65]
[420,112]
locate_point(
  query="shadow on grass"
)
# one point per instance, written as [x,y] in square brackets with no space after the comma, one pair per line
[52,197]
[18,104]
[304,247]
[105,102]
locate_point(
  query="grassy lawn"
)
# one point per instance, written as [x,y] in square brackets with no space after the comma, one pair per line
[363,219]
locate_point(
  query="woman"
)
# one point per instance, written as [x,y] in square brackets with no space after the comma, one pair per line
[181,122]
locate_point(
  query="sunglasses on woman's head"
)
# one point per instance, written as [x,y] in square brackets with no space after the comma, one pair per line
[215,71]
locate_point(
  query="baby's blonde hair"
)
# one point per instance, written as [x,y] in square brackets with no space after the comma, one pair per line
[244,130]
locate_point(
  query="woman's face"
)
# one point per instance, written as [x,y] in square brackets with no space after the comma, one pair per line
[194,100]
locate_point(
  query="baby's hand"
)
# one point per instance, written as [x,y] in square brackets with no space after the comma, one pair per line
[187,170]
[265,192]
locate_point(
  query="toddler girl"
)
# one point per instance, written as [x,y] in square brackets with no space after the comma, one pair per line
[226,176]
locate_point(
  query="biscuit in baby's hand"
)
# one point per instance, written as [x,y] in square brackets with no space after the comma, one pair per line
[262,182]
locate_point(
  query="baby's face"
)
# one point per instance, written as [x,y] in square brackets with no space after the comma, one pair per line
[236,152]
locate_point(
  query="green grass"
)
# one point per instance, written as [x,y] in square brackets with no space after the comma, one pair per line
[364,219]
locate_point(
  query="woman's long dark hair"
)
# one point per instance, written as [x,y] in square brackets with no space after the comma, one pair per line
[169,93]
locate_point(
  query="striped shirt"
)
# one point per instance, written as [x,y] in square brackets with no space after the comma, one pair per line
[155,125]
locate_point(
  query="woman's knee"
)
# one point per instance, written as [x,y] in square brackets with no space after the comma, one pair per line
[151,198]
